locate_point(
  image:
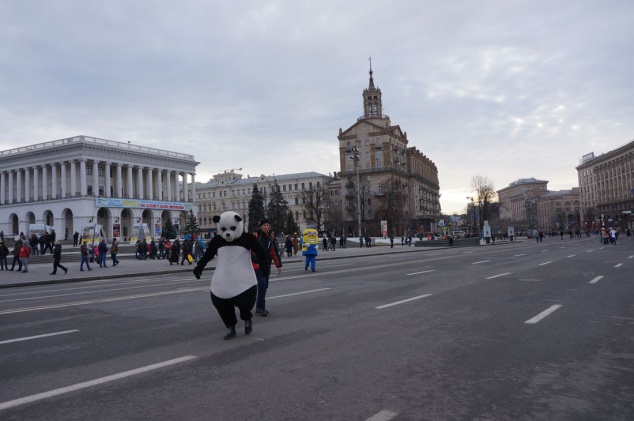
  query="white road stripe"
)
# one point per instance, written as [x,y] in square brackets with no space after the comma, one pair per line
[78,386]
[483,261]
[518,255]
[38,336]
[418,273]
[545,263]
[402,301]
[572,255]
[297,293]
[631,257]
[619,265]
[543,314]
[497,276]
[595,280]
[103,300]
[384,415]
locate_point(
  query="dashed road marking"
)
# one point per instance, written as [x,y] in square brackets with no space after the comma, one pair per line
[543,314]
[101,380]
[384,415]
[38,336]
[497,276]
[619,265]
[418,273]
[545,263]
[595,280]
[482,261]
[402,301]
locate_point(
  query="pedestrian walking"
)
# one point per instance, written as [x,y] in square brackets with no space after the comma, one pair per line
[84,257]
[263,270]
[103,253]
[57,258]
[25,253]
[4,252]
[17,246]
[175,250]
[75,239]
[288,245]
[114,250]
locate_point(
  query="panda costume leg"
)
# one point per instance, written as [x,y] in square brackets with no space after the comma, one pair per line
[225,307]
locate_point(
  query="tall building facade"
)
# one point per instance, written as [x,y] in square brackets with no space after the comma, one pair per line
[81,181]
[230,191]
[518,202]
[606,184]
[383,178]
[559,210]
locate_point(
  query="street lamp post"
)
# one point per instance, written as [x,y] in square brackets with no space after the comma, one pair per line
[356,157]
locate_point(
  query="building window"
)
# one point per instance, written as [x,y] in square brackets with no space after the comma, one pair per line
[89,170]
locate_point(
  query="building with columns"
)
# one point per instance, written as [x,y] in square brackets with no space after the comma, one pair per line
[81,181]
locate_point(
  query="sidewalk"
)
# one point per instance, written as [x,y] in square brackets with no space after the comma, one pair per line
[39,273]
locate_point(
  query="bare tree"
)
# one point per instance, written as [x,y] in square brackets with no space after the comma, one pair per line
[393,203]
[315,201]
[484,195]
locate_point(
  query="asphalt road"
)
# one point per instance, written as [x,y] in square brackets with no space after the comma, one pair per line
[523,331]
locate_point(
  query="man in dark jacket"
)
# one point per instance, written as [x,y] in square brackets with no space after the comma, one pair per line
[57,258]
[264,267]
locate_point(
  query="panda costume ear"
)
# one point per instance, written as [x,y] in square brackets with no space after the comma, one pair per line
[238,219]
[216,219]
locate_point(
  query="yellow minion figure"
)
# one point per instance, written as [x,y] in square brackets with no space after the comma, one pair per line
[308,243]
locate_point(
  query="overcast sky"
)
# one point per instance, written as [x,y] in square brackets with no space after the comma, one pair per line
[502,89]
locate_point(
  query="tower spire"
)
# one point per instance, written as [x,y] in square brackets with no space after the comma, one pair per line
[371,86]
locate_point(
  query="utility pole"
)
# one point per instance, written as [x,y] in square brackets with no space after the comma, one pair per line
[356,157]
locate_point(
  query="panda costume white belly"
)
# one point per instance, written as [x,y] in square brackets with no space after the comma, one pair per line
[234,272]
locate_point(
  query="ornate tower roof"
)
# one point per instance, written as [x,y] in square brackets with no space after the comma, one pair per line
[372,107]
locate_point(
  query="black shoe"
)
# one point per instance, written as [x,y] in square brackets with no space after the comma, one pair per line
[231,333]
[264,313]
[248,327]
[258,310]
[65,271]
[306,268]
[53,273]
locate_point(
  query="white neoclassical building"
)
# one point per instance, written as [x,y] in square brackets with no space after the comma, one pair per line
[80,181]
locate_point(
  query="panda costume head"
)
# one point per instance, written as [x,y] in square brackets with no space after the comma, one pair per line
[230,225]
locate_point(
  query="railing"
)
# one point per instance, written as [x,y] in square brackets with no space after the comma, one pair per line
[96,141]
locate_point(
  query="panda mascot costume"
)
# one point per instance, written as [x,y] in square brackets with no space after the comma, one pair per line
[233,283]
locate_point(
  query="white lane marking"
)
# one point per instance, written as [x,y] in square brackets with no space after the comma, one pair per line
[545,263]
[38,336]
[418,273]
[543,314]
[544,251]
[477,263]
[297,293]
[595,280]
[384,415]
[101,380]
[518,255]
[103,300]
[619,265]
[497,276]
[631,256]
[572,255]
[402,301]
[90,292]
[590,251]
